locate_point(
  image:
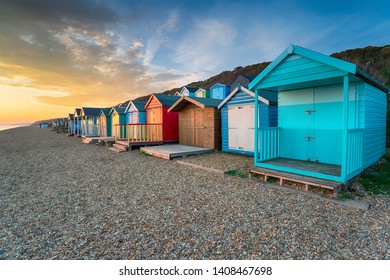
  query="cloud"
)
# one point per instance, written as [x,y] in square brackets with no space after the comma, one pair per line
[206,46]
[72,46]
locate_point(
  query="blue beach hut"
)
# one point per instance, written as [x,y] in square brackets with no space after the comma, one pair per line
[331,116]
[219,91]
[135,112]
[237,118]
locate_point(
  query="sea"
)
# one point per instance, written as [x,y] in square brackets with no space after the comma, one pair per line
[13,125]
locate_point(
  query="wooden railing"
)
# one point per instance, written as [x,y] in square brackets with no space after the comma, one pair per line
[144,132]
[268,143]
[354,151]
[90,130]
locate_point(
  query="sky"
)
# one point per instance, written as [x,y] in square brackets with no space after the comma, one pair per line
[56,55]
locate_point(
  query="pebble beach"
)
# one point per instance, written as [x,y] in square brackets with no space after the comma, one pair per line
[61,199]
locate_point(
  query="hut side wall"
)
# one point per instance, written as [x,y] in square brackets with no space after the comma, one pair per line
[374,137]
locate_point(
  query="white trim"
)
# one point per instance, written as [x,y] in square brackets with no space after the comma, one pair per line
[247,91]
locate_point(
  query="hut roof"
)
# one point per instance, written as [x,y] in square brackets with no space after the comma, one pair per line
[88,111]
[138,105]
[165,100]
[270,100]
[198,101]
[339,64]
[105,111]
[77,112]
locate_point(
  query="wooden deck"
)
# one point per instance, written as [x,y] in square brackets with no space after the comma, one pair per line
[174,150]
[305,180]
[135,144]
[329,169]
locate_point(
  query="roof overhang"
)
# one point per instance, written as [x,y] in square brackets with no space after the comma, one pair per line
[247,91]
[182,102]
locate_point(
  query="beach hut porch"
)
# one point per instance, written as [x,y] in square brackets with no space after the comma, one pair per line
[319,133]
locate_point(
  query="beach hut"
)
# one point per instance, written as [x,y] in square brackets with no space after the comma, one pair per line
[219,91]
[135,120]
[237,119]
[202,93]
[331,117]
[89,125]
[188,91]
[71,124]
[77,122]
[104,122]
[135,112]
[199,121]
[118,122]
[162,126]
[44,124]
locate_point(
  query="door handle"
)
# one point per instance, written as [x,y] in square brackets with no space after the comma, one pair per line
[308,138]
[308,112]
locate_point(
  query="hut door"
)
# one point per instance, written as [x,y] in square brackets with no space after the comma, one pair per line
[155,121]
[195,127]
[241,127]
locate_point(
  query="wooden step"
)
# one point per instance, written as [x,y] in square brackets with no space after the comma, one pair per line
[122,142]
[120,147]
[116,150]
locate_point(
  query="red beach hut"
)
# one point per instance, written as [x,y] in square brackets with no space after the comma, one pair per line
[163,125]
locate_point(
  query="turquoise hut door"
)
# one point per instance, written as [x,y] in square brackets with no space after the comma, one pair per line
[310,124]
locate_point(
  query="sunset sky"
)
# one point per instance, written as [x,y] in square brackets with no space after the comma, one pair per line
[58,55]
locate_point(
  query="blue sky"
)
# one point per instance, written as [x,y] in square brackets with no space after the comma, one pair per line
[78,53]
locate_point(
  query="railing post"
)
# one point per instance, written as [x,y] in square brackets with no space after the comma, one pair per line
[344,150]
[256,152]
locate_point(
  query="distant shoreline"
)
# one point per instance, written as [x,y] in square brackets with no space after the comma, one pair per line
[12,126]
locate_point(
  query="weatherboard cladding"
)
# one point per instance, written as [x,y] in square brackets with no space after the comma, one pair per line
[157,106]
[268,117]
[199,126]
[374,137]
[136,113]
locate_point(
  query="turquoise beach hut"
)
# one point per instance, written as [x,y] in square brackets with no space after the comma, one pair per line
[331,116]
[104,122]
[77,122]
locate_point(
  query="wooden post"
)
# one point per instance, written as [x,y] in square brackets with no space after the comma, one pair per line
[256,146]
[344,151]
